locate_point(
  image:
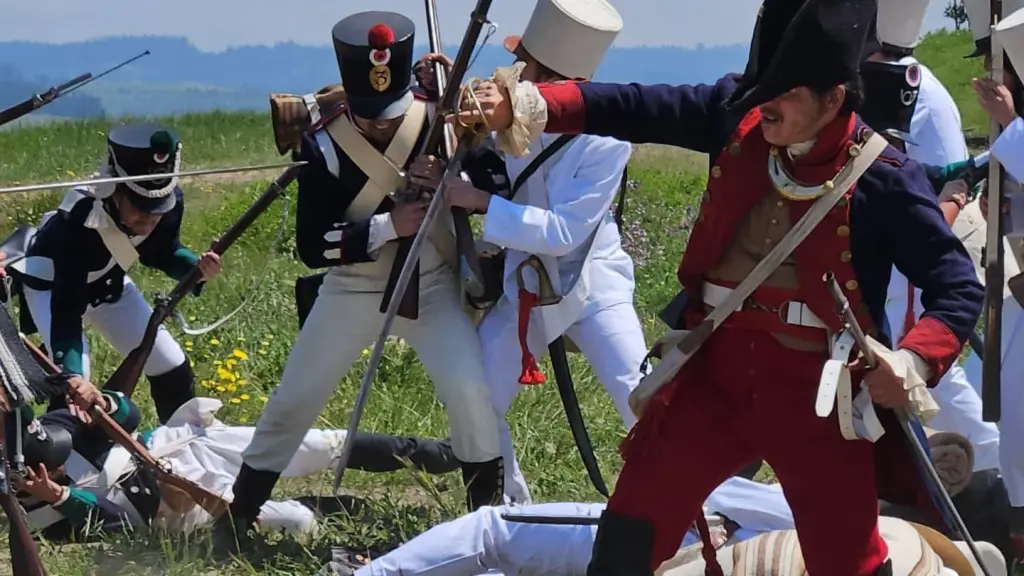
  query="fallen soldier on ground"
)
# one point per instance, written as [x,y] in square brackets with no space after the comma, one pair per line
[80,482]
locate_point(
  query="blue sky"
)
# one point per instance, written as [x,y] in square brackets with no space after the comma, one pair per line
[214,25]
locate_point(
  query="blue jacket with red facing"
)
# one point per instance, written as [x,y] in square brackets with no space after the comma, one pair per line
[890,217]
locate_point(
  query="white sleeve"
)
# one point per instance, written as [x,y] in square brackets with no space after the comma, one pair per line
[382,231]
[581,188]
[1009,149]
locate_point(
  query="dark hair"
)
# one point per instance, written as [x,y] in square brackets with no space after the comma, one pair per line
[891,52]
[854,94]
[544,73]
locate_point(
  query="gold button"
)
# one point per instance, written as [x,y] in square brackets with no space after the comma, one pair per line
[716,172]
[780,203]
[734,149]
[846,256]
[843,231]
[774,151]
[775,221]
[851,285]
[854,150]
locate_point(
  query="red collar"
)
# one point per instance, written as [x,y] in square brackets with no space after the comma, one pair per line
[828,155]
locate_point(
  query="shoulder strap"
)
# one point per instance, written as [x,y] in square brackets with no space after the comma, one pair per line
[536,163]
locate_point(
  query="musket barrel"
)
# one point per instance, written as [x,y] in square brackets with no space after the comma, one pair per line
[70,83]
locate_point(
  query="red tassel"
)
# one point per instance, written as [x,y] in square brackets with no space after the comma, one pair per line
[531,372]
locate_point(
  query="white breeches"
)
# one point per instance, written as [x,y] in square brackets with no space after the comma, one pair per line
[1011,422]
[483,543]
[609,336]
[212,457]
[340,326]
[122,324]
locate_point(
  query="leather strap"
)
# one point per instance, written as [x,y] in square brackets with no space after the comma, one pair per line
[674,360]
[857,417]
[539,161]
[384,175]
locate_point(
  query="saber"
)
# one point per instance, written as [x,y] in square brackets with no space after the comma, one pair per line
[932,480]
[410,264]
[92,78]
[148,177]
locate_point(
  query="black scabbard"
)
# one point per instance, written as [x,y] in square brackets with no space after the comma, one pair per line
[571,404]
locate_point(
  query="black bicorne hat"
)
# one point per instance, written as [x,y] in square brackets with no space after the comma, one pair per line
[44,444]
[374,51]
[143,149]
[804,43]
[890,96]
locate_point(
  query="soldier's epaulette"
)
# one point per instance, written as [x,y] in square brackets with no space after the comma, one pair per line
[327,118]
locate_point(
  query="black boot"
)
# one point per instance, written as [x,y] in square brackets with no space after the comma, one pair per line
[485,483]
[884,569]
[623,547]
[172,389]
[251,491]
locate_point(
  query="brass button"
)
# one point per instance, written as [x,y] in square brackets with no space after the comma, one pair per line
[716,172]
[734,148]
[854,150]
[843,231]
[780,203]
[775,221]
[774,151]
[852,285]
[846,256]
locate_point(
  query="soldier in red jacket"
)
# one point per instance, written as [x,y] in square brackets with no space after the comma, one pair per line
[779,138]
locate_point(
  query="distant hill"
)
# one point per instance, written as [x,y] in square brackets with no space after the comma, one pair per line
[177,77]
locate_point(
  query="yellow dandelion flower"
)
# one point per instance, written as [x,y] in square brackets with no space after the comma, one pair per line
[237,375]
[236,401]
[191,363]
[243,420]
[206,383]
[231,388]
[244,396]
[191,318]
[243,382]
[240,354]
[214,342]
[71,173]
[230,362]
[225,375]
[366,352]
[221,389]
[188,342]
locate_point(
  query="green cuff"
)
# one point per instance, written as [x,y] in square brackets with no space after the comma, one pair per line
[952,170]
[122,408]
[78,506]
[68,355]
[181,263]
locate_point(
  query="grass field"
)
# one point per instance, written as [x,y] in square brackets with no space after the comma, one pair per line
[241,362]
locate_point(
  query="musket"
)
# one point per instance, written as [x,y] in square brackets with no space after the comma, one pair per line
[147,177]
[931,477]
[410,264]
[469,259]
[37,101]
[126,377]
[409,293]
[991,371]
[25,560]
[209,501]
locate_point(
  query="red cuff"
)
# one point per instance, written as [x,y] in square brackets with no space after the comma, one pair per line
[566,111]
[935,343]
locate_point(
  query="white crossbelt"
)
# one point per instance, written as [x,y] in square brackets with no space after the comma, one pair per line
[790,312]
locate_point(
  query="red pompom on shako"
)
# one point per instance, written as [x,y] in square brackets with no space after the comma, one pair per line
[381,37]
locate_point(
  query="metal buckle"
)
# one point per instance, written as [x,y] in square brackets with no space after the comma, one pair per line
[784,307]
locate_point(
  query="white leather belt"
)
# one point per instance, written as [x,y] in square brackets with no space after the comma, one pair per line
[790,312]
[857,417]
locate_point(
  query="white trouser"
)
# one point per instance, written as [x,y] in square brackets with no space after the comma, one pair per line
[340,326]
[609,336]
[1011,422]
[481,541]
[960,412]
[212,457]
[121,323]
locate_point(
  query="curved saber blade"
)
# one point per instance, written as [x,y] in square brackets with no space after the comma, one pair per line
[571,404]
[147,177]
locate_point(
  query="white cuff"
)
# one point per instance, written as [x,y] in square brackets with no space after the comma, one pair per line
[113,396]
[382,231]
[915,372]
[529,111]
[64,495]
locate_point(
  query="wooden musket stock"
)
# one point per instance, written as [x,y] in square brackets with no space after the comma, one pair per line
[126,377]
[25,560]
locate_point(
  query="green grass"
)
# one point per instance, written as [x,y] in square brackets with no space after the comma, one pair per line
[943,52]
[669,183]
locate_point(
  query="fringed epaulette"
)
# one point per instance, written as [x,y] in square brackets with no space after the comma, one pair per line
[23,379]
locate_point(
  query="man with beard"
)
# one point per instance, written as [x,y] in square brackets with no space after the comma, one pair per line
[784,134]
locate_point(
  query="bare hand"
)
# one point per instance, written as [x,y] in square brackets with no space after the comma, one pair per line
[39,484]
[209,265]
[884,386]
[954,191]
[495,104]
[82,396]
[426,171]
[424,69]
[458,192]
[996,99]
[406,217]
